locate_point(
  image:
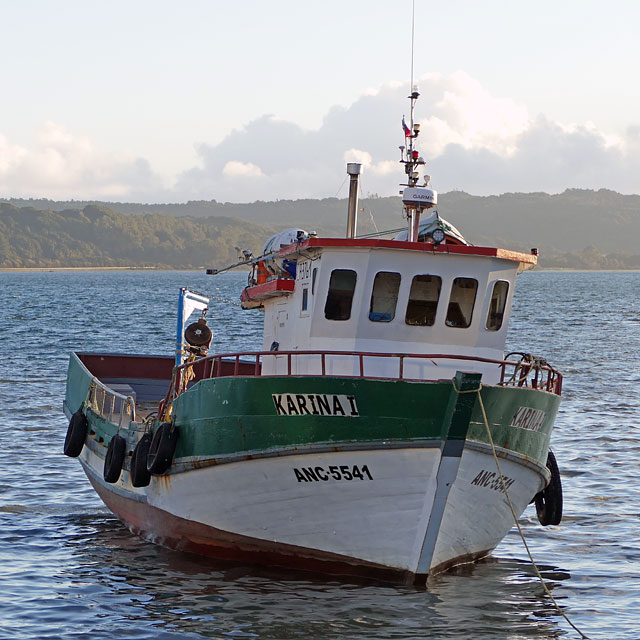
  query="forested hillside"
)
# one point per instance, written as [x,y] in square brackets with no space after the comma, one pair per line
[578,228]
[96,236]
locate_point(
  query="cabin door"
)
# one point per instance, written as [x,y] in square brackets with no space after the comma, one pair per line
[282,335]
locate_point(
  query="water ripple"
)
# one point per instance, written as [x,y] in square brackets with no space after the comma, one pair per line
[70,570]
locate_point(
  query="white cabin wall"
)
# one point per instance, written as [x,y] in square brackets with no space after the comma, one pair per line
[497,339]
[361,334]
[332,333]
[285,320]
[303,318]
[295,329]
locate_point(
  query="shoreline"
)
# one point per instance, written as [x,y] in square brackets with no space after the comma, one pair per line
[9,269]
[37,269]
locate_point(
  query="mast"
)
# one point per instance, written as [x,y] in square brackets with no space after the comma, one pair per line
[415,199]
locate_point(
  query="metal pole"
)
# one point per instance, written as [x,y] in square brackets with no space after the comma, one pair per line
[180,327]
[353,169]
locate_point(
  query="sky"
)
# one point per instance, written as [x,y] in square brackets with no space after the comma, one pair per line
[158,101]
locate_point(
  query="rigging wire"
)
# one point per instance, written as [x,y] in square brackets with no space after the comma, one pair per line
[363,210]
[340,187]
[377,234]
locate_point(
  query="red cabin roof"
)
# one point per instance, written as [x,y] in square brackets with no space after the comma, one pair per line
[372,243]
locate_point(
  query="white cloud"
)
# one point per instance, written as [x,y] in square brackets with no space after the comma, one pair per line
[10,155]
[471,140]
[385,168]
[474,118]
[235,169]
[357,155]
[62,165]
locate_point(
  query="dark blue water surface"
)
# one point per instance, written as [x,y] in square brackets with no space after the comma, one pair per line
[69,569]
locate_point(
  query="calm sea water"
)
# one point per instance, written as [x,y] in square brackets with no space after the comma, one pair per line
[69,569]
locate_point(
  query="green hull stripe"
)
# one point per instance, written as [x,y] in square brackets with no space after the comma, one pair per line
[227,415]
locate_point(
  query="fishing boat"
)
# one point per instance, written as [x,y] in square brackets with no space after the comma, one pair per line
[379,429]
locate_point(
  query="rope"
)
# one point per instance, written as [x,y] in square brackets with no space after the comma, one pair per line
[225,300]
[342,185]
[380,233]
[363,210]
[513,511]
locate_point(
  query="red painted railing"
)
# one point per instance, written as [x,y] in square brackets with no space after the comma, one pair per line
[527,371]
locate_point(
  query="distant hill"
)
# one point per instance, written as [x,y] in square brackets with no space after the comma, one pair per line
[577,228]
[99,237]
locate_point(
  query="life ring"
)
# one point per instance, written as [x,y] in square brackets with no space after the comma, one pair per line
[76,434]
[140,476]
[114,459]
[549,500]
[163,446]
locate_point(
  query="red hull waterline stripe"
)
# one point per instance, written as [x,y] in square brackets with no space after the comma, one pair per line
[165,529]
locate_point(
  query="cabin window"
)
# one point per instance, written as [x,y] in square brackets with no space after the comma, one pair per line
[384,296]
[497,304]
[342,284]
[461,301]
[423,300]
[305,299]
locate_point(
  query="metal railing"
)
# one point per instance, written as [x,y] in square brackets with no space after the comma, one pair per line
[110,405]
[527,371]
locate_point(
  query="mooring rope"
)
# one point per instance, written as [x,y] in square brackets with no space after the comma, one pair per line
[513,511]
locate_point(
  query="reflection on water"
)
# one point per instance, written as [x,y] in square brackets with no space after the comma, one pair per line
[70,570]
[154,589]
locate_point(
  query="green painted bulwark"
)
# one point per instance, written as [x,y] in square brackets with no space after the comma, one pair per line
[503,406]
[76,396]
[461,403]
[227,415]
[78,382]
[222,416]
[238,415]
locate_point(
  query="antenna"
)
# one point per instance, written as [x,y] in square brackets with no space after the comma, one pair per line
[413,96]
[413,32]
[414,198]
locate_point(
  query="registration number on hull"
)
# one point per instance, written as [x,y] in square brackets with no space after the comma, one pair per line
[332,473]
[491,480]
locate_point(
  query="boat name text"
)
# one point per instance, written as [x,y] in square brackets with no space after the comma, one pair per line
[528,418]
[491,480]
[342,472]
[315,404]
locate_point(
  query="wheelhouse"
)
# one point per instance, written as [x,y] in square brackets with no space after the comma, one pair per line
[389,297]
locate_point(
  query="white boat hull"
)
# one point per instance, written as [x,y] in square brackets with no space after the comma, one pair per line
[413,511]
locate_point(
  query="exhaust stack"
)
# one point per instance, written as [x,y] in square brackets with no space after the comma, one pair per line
[353,169]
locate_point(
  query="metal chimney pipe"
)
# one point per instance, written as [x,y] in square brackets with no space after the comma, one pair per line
[353,169]
[414,224]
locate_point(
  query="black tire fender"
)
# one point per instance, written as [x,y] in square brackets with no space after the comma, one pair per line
[114,459]
[76,434]
[549,500]
[163,446]
[140,476]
